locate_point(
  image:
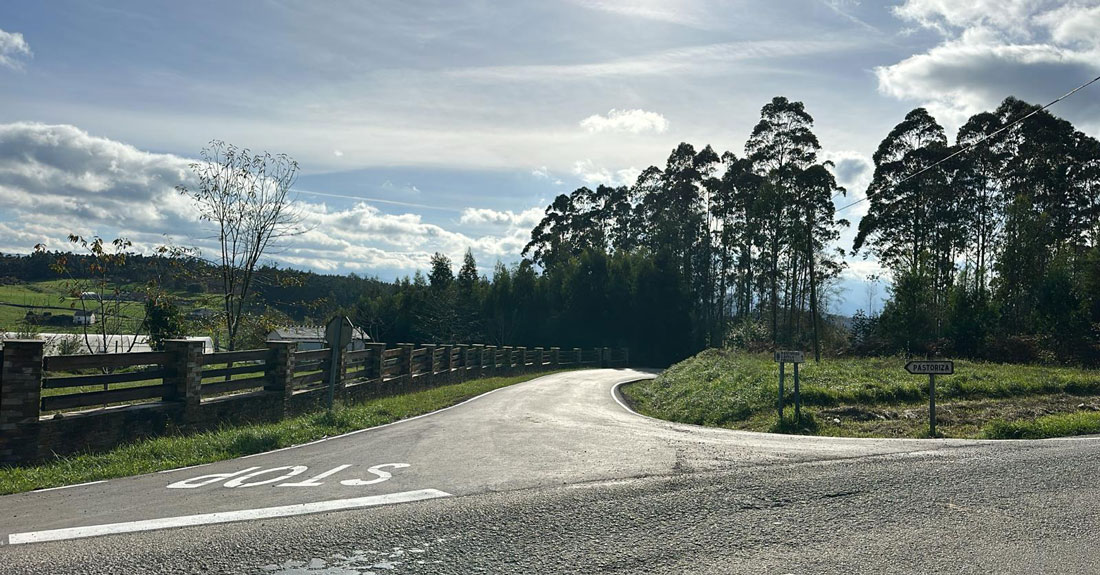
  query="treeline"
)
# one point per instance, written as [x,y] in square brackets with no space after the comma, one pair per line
[994,253]
[992,244]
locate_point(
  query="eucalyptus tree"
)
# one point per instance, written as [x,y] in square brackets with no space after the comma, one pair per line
[782,144]
[912,225]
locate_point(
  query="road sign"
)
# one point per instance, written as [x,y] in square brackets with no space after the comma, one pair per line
[338,336]
[338,332]
[788,357]
[930,367]
[783,357]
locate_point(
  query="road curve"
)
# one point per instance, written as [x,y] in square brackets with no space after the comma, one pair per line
[562,438]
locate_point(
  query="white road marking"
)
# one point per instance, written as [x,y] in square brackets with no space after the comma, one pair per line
[68,486]
[223,517]
[182,468]
[399,421]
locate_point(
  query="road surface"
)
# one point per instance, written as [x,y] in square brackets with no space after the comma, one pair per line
[556,475]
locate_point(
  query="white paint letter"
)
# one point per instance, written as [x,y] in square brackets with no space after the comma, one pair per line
[315,481]
[204,480]
[376,470]
[240,481]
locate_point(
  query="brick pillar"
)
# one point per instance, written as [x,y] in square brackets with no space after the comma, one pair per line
[479,358]
[407,359]
[374,360]
[448,352]
[279,369]
[555,353]
[20,397]
[183,377]
[463,361]
[430,351]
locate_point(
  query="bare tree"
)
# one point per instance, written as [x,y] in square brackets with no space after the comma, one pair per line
[248,197]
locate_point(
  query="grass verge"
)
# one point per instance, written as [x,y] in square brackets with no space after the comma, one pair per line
[170,452]
[1058,425]
[874,397]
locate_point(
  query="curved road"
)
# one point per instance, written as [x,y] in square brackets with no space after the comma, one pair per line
[556,475]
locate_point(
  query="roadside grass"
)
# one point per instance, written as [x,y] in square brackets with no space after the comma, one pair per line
[872,397]
[170,452]
[1058,425]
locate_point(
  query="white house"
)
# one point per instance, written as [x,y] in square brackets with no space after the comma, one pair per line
[81,317]
[115,343]
[310,338]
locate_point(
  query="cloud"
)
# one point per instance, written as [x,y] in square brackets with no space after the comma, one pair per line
[12,48]
[338,153]
[993,49]
[633,121]
[594,175]
[707,60]
[526,219]
[541,172]
[683,13]
[58,179]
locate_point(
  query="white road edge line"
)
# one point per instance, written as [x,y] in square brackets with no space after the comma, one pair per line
[223,517]
[399,421]
[68,486]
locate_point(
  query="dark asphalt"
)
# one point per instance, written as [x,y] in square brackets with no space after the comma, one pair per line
[554,476]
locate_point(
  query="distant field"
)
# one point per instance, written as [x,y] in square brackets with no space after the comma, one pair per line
[875,397]
[54,294]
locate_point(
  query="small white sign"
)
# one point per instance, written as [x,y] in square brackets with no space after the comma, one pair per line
[930,367]
[788,357]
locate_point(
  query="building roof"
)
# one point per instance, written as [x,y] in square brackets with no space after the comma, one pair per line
[81,312]
[309,333]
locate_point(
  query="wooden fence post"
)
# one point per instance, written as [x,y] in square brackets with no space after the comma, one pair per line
[20,399]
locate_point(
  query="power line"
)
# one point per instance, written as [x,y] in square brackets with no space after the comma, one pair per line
[982,139]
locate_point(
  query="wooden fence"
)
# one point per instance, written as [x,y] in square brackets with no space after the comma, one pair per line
[65,404]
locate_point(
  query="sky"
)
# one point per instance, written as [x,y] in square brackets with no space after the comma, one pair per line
[427,126]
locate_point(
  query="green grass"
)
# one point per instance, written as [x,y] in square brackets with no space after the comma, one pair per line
[1059,425]
[860,396]
[170,452]
[54,294]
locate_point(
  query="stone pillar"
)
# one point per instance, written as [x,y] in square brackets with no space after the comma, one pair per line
[183,377]
[20,397]
[605,356]
[555,357]
[279,369]
[430,349]
[626,357]
[540,356]
[463,361]
[374,360]
[407,359]
[577,356]
[448,353]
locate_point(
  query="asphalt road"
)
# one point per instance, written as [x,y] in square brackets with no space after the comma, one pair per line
[554,476]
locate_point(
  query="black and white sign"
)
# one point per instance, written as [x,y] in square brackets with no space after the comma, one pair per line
[930,367]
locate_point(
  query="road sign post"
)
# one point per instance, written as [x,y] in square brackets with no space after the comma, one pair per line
[338,334]
[781,366]
[932,369]
[783,358]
